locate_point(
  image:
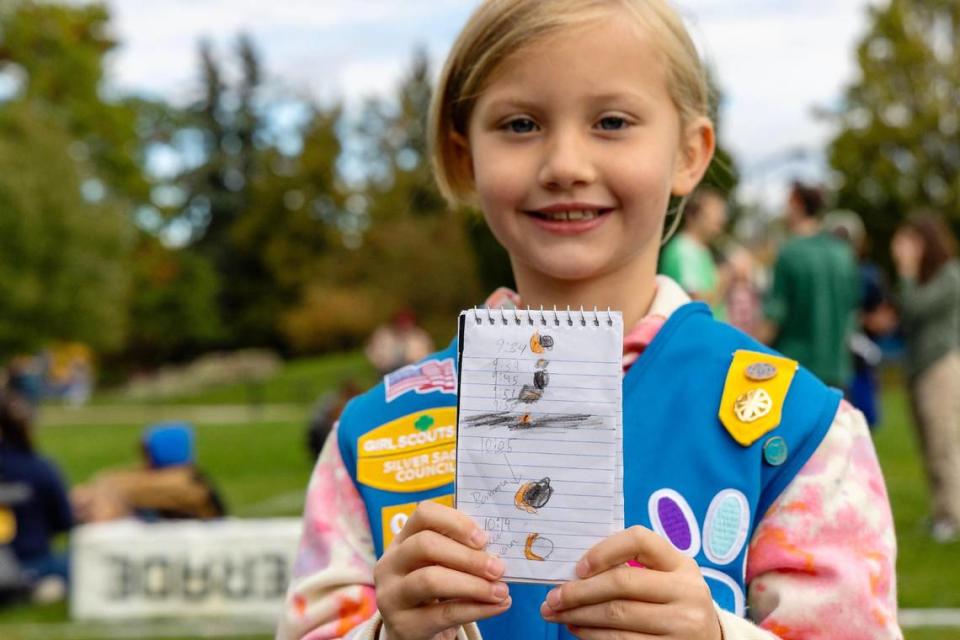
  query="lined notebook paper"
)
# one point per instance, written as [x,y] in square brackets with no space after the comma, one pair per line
[539,432]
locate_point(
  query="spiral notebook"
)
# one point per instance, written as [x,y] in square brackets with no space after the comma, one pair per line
[539,435]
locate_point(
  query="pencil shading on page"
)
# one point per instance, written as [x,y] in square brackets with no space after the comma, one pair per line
[538,437]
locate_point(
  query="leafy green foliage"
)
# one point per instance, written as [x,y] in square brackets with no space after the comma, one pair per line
[223,126]
[262,216]
[173,312]
[399,246]
[59,51]
[289,229]
[62,257]
[898,146]
[70,177]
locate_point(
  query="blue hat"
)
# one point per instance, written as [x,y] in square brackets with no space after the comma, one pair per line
[169,443]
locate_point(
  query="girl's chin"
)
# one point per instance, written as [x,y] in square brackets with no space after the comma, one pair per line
[568,271]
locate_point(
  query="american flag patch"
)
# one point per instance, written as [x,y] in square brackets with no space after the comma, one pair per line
[432,375]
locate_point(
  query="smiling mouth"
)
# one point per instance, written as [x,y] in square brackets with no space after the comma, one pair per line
[577,215]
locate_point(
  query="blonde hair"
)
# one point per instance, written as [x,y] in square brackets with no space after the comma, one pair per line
[499,28]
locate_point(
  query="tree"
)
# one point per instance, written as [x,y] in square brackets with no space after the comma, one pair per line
[173,312]
[393,135]
[225,128]
[897,147]
[58,50]
[417,251]
[68,174]
[62,257]
[294,221]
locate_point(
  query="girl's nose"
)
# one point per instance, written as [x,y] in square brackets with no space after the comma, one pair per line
[566,163]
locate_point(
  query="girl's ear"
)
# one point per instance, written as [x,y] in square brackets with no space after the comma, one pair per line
[461,150]
[697,144]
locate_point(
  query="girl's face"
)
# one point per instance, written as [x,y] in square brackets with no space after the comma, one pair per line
[575,147]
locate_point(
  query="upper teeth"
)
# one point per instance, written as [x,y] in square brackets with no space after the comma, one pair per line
[573,215]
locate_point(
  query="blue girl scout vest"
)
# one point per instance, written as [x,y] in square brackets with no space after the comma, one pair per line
[716,425]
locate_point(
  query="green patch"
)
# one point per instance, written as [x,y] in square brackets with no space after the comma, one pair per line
[424,422]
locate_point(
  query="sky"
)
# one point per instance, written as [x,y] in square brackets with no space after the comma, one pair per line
[778,61]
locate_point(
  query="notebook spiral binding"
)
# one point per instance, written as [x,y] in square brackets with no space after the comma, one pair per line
[543,317]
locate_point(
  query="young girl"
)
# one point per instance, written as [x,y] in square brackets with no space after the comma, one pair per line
[570,124]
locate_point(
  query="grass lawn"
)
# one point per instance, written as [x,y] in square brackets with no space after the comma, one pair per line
[926,572]
[262,469]
[250,463]
[299,382]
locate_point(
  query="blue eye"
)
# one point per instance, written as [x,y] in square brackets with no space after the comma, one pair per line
[612,123]
[521,125]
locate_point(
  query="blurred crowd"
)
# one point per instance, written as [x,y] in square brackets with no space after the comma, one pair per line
[820,300]
[62,372]
[37,510]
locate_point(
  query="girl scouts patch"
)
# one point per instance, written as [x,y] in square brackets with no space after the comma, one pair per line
[754,393]
[425,377]
[673,519]
[724,536]
[413,453]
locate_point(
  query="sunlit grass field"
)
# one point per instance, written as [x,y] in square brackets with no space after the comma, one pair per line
[262,468]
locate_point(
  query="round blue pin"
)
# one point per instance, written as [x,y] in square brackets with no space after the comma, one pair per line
[775,451]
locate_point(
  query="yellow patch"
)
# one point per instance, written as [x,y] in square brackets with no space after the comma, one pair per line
[393,518]
[8,525]
[743,408]
[413,453]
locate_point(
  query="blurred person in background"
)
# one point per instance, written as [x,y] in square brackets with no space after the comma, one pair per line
[928,297]
[811,306]
[687,258]
[25,377]
[326,413]
[743,301]
[398,343]
[168,486]
[38,499]
[70,373]
[877,317]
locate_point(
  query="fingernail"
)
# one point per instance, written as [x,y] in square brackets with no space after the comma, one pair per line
[478,538]
[495,567]
[507,602]
[546,611]
[583,568]
[500,591]
[553,599]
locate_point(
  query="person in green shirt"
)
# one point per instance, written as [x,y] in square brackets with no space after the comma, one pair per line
[687,259]
[811,307]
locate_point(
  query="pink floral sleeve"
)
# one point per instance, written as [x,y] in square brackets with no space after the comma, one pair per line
[823,556]
[331,591]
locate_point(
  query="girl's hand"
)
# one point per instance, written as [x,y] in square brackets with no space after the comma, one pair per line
[907,251]
[667,598]
[435,576]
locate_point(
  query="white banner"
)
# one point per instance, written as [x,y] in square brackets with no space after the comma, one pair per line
[229,568]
